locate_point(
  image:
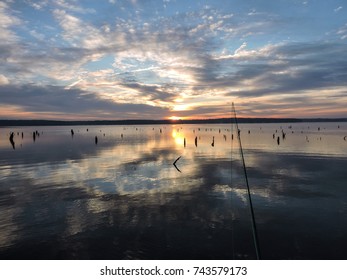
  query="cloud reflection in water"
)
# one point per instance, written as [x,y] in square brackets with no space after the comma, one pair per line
[68,198]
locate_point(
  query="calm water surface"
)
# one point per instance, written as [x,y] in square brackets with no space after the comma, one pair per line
[66,197]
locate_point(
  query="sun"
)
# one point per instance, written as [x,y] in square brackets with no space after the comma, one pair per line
[174,118]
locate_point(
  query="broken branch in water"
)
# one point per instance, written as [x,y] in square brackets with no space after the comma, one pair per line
[174,164]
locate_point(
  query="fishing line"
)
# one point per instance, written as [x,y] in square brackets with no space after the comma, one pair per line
[233,215]
[254,227]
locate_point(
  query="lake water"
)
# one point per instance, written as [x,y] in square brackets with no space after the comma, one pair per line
[66,197]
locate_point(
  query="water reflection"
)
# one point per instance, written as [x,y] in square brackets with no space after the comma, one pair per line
[65,197]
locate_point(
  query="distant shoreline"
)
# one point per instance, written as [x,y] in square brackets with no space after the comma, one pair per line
[4,123]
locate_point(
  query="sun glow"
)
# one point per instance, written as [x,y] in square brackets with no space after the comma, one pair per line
[179,139]
[181,107]
[174,118]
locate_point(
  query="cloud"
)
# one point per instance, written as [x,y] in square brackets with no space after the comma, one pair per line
[53,101]
[287,68]
[342,32]
[3,80]
[153,92]
[172,54]
[288,78]
[71,6]
[37,5]
[338,9]
[8,20]
[194,56]
[77,32]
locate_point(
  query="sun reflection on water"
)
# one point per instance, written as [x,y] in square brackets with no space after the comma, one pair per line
[178,137]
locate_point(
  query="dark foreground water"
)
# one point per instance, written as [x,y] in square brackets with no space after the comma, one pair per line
[66,197]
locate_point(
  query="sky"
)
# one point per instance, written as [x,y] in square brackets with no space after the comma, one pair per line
[160,59]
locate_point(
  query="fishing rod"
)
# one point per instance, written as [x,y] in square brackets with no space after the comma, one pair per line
[254,226]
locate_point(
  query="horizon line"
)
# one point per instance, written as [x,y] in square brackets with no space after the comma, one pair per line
[45,122]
